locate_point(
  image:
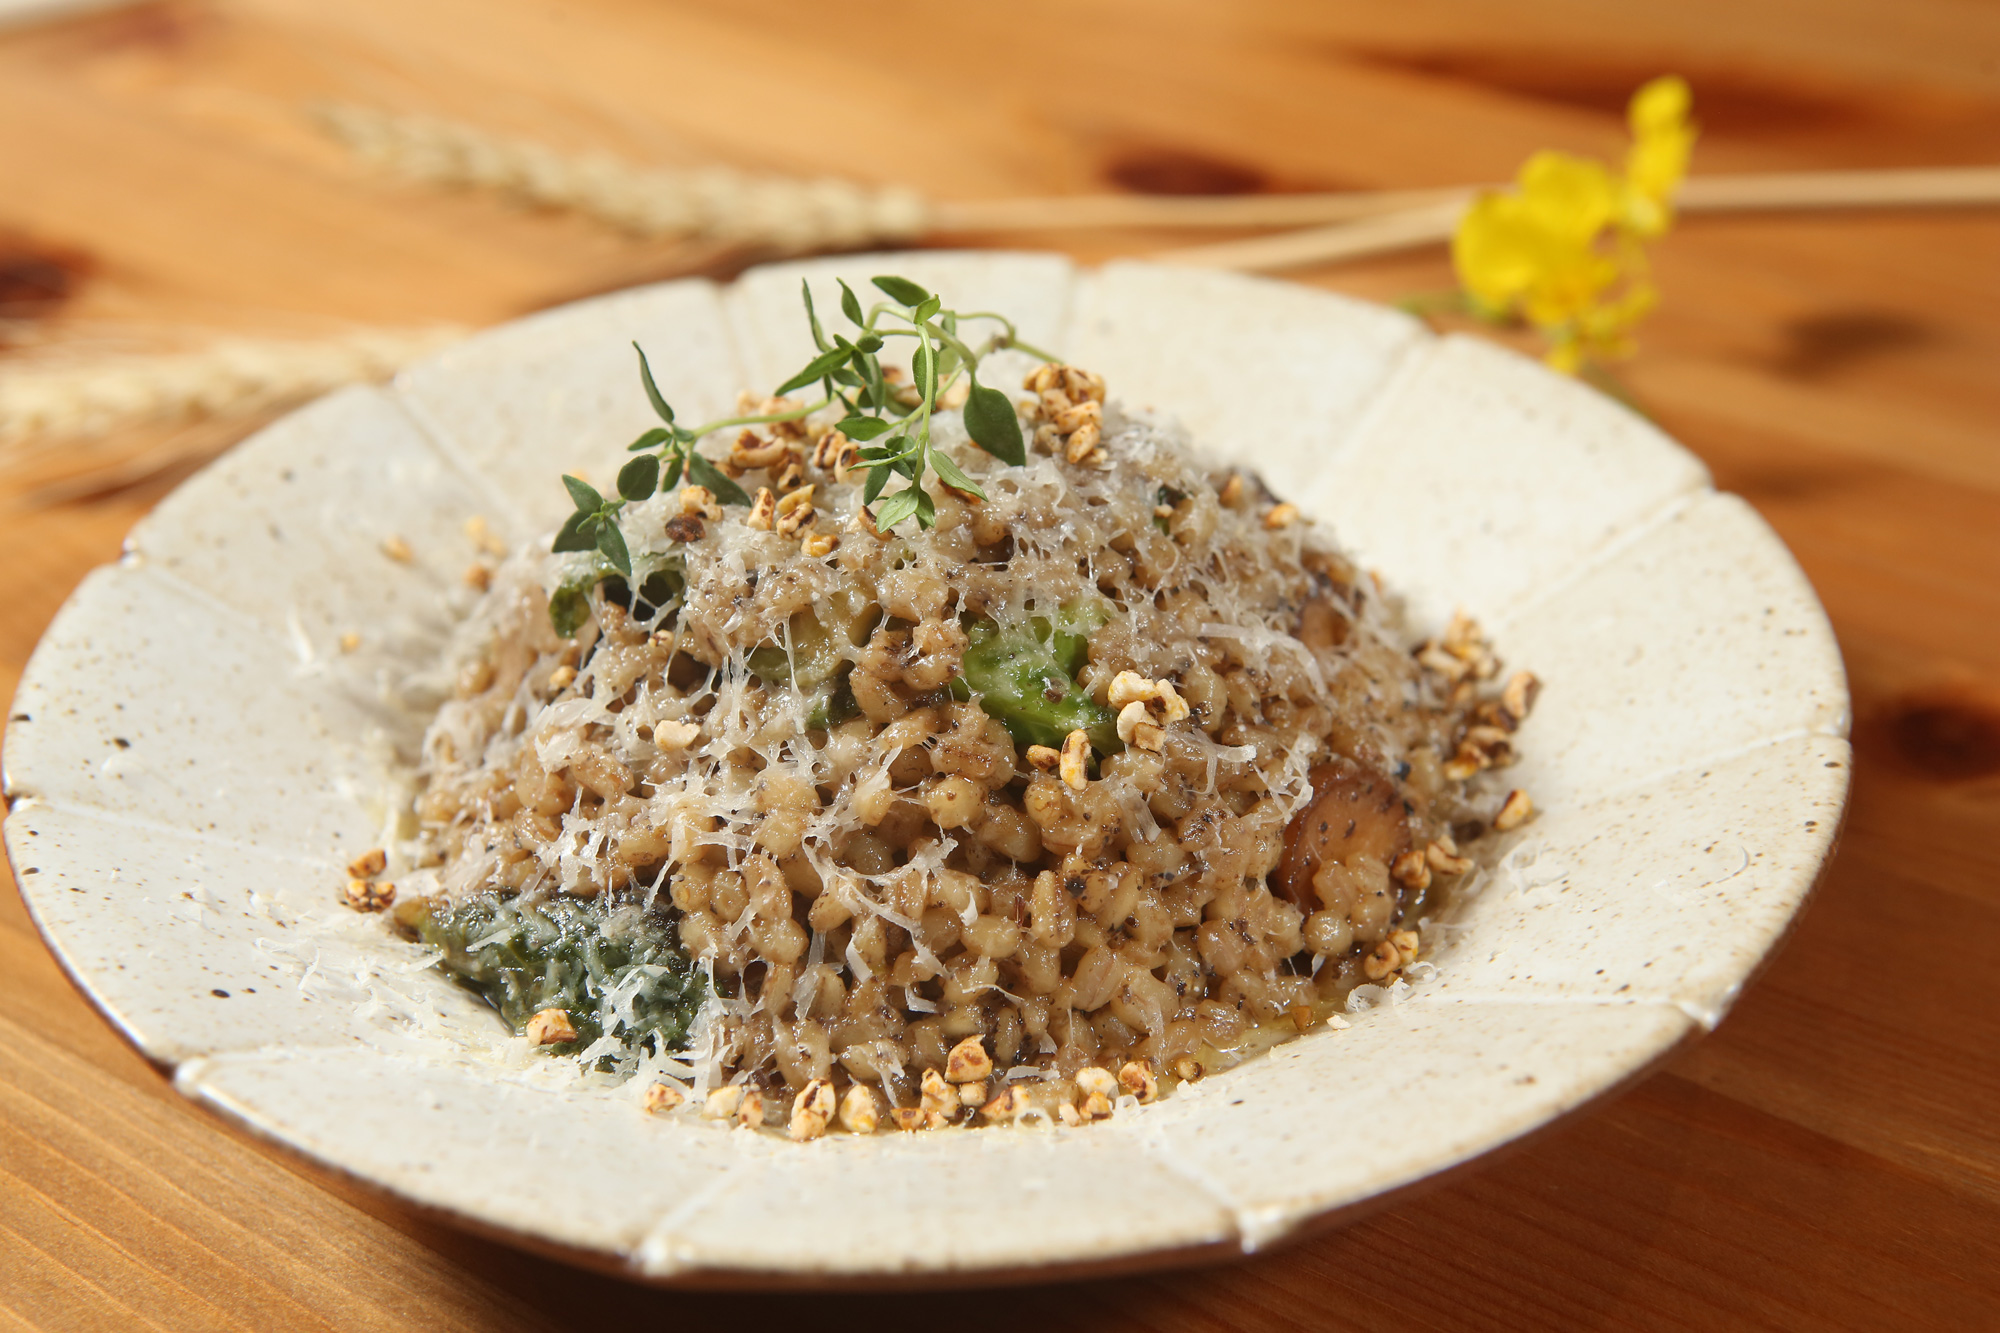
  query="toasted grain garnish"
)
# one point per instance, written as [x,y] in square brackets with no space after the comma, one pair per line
[1515,811]
[1075,760]
[550,1027]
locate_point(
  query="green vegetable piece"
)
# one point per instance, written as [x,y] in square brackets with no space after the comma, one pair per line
[1024,677]
[612,965]
[1068,631]
[833,704]
[816,650]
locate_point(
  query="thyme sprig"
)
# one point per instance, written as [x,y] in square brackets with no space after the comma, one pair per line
[891,422]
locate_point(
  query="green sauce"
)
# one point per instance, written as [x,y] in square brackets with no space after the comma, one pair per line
[611,965]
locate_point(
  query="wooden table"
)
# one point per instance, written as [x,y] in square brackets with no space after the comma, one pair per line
[1830,1158]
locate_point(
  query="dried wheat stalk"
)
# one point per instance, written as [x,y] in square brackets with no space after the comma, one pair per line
[51,398]
[709,203]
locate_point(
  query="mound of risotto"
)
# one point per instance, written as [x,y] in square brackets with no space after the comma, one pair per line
[1114,773]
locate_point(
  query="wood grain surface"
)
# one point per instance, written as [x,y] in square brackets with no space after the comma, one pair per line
[1829,1158]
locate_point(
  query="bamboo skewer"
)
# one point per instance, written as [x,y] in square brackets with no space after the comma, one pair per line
[1409,229]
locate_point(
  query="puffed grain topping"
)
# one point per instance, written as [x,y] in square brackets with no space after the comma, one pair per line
[968,1062]
[550,1027]
[671,735]
[1075,764]
[812,1111]
[369,895]
[1444,858]
[663,1097]
[1096,1078]
[858,1111]
[1136,1077]
[1412,870]
[937,1096]
[369,864]
[699,502]
[1515,811]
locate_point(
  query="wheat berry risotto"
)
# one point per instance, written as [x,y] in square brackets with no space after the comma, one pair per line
[910,751]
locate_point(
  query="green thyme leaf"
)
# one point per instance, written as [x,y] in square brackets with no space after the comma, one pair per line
[812,316]
[901,290]
[652,390]
[868,342]
[704,473]
[652,439]
[900,506]
[862,428]
[877,479]
[951,474]
[577,533]
[927,311]
[583,494]
[990,421]
[639,478]
[923,368]
[673,474]
[850,304]
[612,543]
[818,369]
[926,508]
[569,607]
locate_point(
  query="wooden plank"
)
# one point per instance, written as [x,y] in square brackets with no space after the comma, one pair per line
[1828,1158]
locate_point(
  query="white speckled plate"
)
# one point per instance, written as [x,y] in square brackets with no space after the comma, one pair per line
[188,766]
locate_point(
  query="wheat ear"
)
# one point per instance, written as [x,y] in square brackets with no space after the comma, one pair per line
[78,399]
[712,203]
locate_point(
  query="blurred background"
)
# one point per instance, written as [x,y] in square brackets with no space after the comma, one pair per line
[1829,1158]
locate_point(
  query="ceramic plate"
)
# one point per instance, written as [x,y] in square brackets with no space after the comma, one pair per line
[193,757]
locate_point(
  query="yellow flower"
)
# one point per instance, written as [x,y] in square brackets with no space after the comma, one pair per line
[1657,162]
[1564,248]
